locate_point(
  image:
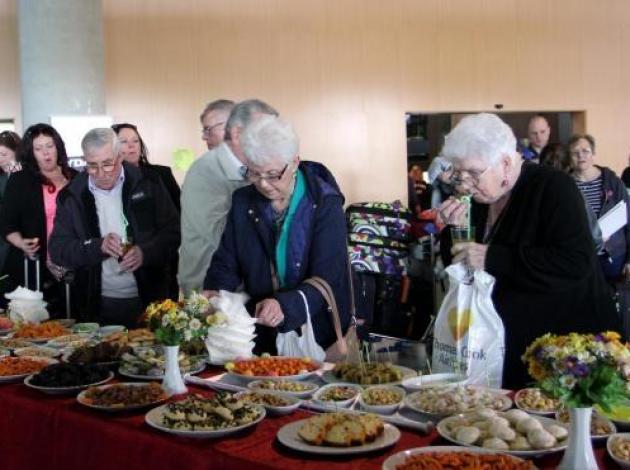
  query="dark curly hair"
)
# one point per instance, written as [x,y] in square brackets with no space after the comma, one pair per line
[144,152]
[27,155]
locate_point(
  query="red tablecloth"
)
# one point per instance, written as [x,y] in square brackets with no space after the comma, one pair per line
[40,431]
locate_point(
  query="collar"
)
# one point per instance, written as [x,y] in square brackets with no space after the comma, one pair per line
[232,166]
[95,189]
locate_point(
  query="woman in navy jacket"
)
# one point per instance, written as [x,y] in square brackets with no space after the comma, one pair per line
[287,226]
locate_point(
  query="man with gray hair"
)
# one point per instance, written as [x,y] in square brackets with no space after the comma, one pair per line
[117,227]
[213,120]
[207,195]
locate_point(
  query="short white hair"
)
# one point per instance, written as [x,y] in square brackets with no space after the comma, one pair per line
[483,136]
[98,138]
[267,138]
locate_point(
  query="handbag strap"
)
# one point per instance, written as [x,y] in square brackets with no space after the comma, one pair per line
[324,289]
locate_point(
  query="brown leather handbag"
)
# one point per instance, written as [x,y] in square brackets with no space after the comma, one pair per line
[345,345]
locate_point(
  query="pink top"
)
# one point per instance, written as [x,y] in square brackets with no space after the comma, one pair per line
[50,208]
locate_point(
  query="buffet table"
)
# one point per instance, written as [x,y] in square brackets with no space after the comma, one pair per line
[51,432]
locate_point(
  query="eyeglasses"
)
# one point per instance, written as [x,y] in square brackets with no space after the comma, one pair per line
[469,177]
[254,177]
[107,167]
[205,130]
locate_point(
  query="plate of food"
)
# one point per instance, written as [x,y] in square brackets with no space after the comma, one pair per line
[439,402]
[274,367]
[339,434]
[73,340]
[618,447]
[14,369]
[148,363]
[61,379]
[453,457]
[275,403]
[513,432]
[37,351]
[619,414]
[102,353]
[14,343]
[338,395]
[202,417]
[432,380]
[126,396]
[535,401]
[295,388]
[373,373]
[140,337]
[40,332]
[381,399]
[601,427]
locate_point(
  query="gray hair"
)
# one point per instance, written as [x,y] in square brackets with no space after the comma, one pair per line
[98,138]
[269,137]
[483,136]
[217,105]
[244,113]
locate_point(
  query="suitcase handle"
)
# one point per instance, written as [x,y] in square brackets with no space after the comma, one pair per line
[37,272]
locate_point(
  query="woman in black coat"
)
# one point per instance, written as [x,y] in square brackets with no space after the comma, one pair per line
[133,150]
[532,235]
[29,207]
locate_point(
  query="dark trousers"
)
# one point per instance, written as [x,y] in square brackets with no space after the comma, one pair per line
[125,312]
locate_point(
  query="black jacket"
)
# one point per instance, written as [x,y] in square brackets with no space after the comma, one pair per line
[170,184]
[153,225]
[618,245]
[23,211]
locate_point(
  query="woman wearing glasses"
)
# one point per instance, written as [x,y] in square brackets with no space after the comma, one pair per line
[30,204]
[531,234]
[287,226]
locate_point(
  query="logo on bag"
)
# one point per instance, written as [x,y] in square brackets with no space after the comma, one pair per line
[459,322]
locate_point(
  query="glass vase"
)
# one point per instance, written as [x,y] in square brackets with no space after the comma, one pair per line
[173,383]
[579,453]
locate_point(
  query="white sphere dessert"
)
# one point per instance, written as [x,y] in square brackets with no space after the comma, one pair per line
[467,434]
[520,443]
[530,424]
[540,439]
[515,415]
[484,413]
[499,421]
[495,443]
[559,432]
[502,432]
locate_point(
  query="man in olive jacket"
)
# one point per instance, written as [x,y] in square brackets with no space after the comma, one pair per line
[117,228]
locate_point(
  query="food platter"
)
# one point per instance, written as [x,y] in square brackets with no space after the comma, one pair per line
[154,418]
[289,405]
[525,395]
[305,389]
[199,367]
[288,436]
[393,461]
[20,377]
[433,380]
[443,426]
[65,390]
[329,376]
[603,423]
[37,351]
[618,440]
[84,400]
[305,375]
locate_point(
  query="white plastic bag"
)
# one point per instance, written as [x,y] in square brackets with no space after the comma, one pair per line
[291,344]
[469,337]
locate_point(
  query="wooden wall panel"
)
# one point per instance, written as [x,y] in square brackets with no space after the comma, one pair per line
[10,105]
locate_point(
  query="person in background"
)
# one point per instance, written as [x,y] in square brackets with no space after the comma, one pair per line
[440,172]
[531,234]
[213,120]
[9,164]
[29,208]
[117,227]
[625,176]
[287,226]
[134,151]
[538,132]
[207,195]
[603,190]
[418,192]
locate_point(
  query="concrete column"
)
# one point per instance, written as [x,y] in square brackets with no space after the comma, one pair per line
[61,58]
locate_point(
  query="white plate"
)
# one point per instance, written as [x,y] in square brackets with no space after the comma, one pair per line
[154,419]
[249,378]
[294,403]
[312,388]
[599,417]
[330,378]
[61,342]
[64,390]
[288,435]
[399,458]
[441,428]
[381,409]
[201,365]
[51,352]
[20,377]
[622,463]
[317,397]
[534,411]
[115,409]
[109,329]
[506,404]
[423,381]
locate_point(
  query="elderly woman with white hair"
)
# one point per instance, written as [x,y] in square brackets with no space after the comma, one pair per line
[531,234]
[284,228]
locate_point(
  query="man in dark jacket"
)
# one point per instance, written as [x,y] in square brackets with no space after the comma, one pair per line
[117,228]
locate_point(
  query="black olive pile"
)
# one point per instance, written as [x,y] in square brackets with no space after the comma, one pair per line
[69,375]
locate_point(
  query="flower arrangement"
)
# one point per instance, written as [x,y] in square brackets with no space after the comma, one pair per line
[177,322]
[581,370]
